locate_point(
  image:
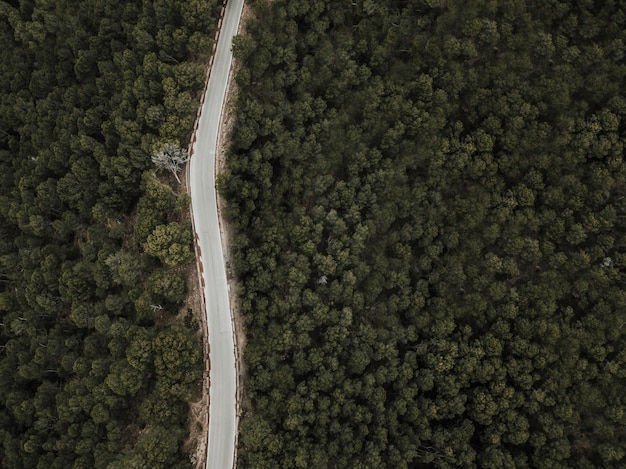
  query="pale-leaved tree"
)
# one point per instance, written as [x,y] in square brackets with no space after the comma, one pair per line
[172,158]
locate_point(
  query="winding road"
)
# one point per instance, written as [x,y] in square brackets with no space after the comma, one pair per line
[222,437]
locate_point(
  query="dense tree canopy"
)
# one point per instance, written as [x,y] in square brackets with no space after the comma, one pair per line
[429,201]
[87,90]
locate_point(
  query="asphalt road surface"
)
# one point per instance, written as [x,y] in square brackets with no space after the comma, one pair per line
[223,372]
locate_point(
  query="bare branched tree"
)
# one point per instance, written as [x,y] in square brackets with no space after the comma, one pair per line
[172,158]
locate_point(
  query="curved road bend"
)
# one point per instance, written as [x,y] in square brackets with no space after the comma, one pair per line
[223,372]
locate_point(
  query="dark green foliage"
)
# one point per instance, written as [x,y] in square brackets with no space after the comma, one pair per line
[429,204]
[168,285]
[87,89]
[171,243]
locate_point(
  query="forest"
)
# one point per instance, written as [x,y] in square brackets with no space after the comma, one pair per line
[429,204]
[99,359]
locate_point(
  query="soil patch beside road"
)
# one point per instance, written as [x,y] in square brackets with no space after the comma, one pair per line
[224,143]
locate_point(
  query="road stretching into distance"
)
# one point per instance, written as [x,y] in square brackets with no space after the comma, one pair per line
[222,429]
